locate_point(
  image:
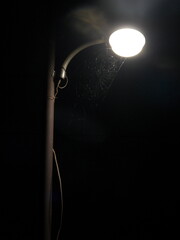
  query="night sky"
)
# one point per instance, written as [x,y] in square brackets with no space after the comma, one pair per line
[116,131]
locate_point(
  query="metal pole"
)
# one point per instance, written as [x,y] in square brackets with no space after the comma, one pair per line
[49,147]
[75,52]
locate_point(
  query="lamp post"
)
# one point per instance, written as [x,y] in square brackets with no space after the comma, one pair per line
[124,42]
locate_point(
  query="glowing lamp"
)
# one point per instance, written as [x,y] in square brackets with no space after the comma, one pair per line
[127,42]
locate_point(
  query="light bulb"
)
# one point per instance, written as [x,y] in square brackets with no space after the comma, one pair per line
[127,42]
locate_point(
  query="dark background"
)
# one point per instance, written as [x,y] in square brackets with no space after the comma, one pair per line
[116,132]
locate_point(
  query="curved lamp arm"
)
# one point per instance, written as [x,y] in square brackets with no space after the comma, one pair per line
[124,42]
[74,53]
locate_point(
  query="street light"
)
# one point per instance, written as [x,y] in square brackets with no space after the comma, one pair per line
[123,42]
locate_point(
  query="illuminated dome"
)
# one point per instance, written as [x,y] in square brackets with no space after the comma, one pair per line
[127,42]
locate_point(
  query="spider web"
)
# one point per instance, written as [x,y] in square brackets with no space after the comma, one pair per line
[97,73]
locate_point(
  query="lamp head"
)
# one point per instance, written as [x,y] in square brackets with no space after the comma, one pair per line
[127,42]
